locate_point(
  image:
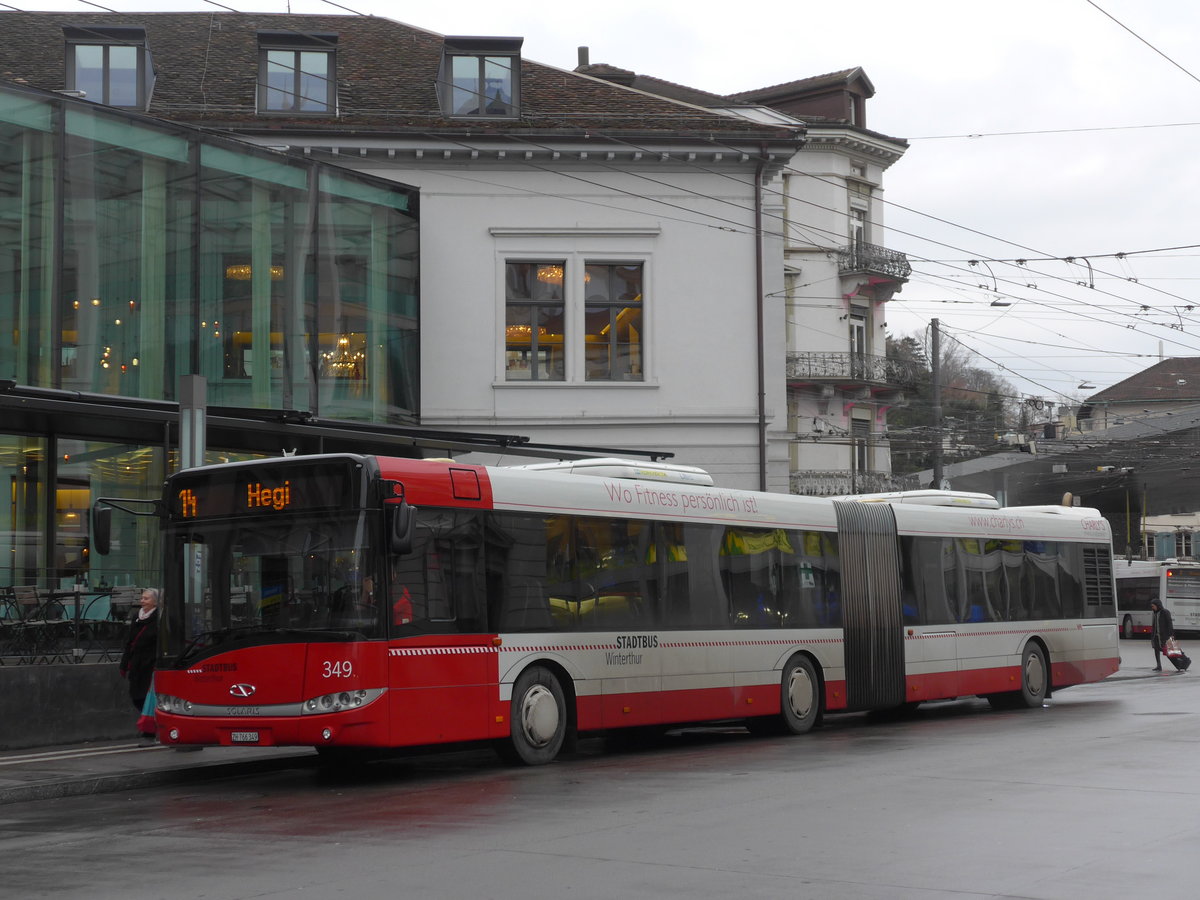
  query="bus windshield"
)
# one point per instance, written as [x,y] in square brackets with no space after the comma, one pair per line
[249,581]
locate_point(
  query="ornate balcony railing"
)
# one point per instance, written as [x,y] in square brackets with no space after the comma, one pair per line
[874,260]
[840,482]
[855,368]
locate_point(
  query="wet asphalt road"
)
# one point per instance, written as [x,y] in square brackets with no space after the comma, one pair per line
[1090,797]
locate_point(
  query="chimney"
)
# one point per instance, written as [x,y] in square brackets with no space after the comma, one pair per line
[583,57]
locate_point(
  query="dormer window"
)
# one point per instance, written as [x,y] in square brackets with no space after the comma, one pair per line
[109,65]
[481,76]
[297,73]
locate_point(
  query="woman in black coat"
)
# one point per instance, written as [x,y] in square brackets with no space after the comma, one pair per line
[141,646]
[1161,629]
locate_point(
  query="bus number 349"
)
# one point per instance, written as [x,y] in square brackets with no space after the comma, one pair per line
[337,669]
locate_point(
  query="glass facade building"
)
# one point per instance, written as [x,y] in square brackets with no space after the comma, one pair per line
[133,253]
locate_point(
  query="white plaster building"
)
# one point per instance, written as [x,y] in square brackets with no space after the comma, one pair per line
[826,206]
[839,279]
[679,218]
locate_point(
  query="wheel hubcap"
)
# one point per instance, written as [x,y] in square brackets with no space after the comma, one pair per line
[1035,676]
[539,715]
[800,693]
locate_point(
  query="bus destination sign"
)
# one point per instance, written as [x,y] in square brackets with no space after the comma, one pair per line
[261,491]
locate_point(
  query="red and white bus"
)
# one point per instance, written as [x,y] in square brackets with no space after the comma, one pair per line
[344,601]
[1174,584]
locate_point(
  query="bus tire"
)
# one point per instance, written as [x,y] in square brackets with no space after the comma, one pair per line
[1035,681]
[1035,676]
[1127,628]
[800,695]
[537,718]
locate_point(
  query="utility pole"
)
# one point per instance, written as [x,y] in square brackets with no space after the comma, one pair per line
[936,374]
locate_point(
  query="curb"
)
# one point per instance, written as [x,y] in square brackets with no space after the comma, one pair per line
[1120,676]
[112,783]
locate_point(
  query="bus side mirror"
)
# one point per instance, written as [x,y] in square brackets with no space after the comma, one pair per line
[101,529]
[404,520]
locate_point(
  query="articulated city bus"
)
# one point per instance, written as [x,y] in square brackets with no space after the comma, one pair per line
[345,601]
[1175,584]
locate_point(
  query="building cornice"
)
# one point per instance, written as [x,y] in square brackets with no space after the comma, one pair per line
[433,150]
[848,140]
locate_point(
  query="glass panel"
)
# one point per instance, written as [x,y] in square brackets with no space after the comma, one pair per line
[127,237]
[688,578]
[298,573]
[259,168]
[613,321]
[751,572]
[810,582]
[88,470]
[519,343]
[362,322]
[120,132]
[253,251]
[27,203]
[30,112]
[281,79]
[465,87]
[314,81]
[123,76]
[497,85]
[89,71]
[368,193]
[23,532]
[533,331]
[439,585]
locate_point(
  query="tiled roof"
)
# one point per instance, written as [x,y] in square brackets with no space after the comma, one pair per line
[815,82]
[206,68]
[658,86]
[1175,380]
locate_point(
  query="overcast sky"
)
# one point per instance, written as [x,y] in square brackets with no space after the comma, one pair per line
[1039,130]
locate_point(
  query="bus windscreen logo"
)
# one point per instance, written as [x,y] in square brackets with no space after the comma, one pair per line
[242,690]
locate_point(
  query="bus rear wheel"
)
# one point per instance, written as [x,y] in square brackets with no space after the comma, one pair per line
[1035,676]
[1035,681]
[537,718]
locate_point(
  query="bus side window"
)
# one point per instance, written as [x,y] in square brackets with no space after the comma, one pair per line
[909,607]
[750,568]
[1070,580]
[524,558]
[688,577]
[615,557]
[934,574]
[1041,570]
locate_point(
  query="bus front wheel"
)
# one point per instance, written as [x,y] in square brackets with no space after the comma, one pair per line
[1127,628]
[538,718]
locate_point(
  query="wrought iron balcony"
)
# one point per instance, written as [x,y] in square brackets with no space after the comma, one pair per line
[853,368]
[873,260]
[841,482]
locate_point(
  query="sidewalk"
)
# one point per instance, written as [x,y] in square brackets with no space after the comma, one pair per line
[108,766]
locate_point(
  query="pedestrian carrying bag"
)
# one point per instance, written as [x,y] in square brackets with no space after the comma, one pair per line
[1171,648]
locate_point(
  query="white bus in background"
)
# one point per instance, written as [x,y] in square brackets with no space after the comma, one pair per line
[1174,584]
